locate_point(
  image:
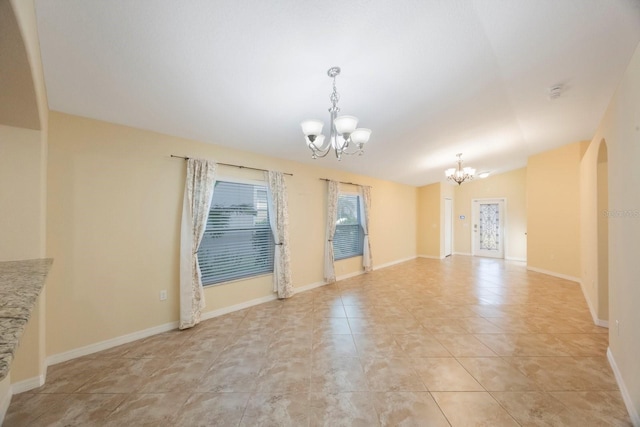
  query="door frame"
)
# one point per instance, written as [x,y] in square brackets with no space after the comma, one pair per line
[448,232]
[503,224]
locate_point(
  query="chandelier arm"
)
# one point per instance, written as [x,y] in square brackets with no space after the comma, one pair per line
[358,150]
[319,151]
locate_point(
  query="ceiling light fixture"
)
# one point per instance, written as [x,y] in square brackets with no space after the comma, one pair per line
[343,133]
[460,174]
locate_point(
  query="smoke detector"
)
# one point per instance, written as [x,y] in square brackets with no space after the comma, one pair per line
[555,91]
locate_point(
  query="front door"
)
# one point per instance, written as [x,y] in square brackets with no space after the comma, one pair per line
[488,227]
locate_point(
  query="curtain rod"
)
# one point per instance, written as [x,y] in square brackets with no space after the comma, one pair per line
[342,182]
[235,166]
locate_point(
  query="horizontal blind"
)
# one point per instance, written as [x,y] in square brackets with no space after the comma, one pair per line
[237,242]
[349,237]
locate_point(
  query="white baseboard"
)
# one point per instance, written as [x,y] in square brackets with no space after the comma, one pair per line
[508,258]
[431,257]
[554,274]
[389,264]
[28,384]
[633,412]
[113,342]
[463,253]
[5,397]
[237,307]
[594,314]
[310,286]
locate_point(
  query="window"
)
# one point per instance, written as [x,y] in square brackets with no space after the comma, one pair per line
[237,242]
[349,237]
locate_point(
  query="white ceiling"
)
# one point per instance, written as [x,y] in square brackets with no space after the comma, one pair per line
[430,78]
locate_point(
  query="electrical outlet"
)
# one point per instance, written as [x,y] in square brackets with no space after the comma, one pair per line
[163,295]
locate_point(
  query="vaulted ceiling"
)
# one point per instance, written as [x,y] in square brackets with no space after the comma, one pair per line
[430,78]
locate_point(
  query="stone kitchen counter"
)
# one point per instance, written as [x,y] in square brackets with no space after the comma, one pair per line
[20,284]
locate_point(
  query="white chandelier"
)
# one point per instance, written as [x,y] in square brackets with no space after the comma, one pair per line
[460,174]
[343,134]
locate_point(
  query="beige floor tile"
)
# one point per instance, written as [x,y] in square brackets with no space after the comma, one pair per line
[391,374]
[464,345]
[276,409]
[178,375]
[530,408]
[377,345]
[25,408]
[421,345]
[80,409]
[408,409]
[337,374]
[477,409]
[524,344]
[212,409]
[346,409]
[339,345]
[445,374]
[494,374]
[152,409]
[284,375]
[331,325]
[126,376]
[234,375]
[567,373]
[592,407]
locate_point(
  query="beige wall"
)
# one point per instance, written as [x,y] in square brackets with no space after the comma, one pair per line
[429,220]
[23,165]
[511,186]
[593,225]
[620,128]
[553,210]
[21,209]
[115,198]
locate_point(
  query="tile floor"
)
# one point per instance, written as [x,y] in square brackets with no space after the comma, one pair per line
[461,342]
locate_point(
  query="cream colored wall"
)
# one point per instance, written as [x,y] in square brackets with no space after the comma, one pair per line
[20,188]
[620,128]
[23,166]
[509,185]
[589,222]
[429,220]
[115,198]
[553,210]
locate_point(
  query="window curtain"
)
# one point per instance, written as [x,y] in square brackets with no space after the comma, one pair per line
[198,191]
[365,208]
[332,214]
[279,221]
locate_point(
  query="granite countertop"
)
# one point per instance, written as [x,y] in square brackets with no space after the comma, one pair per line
[20,285]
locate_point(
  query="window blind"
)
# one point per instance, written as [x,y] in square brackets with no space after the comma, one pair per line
[349,237]
[237,241]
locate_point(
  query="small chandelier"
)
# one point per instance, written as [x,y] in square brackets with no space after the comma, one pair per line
[343,134]
[460,174]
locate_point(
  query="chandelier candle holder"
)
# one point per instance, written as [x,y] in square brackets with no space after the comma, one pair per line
[344,134]
[460,174]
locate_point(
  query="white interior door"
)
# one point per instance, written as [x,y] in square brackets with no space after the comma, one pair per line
[448,227]
[488,217]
